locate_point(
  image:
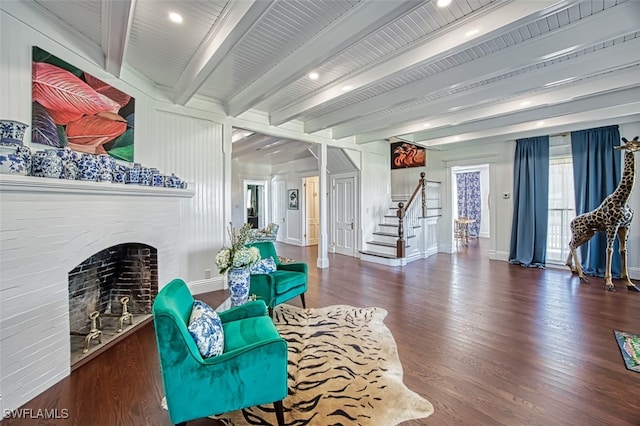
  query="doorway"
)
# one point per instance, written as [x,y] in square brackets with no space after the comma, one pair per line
[470,198]
[343,212]
[311,234]
[256,203]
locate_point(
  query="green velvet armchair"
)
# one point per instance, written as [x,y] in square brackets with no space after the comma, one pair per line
[288,281]
[252,369]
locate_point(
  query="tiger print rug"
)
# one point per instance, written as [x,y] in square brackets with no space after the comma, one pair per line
[343,370]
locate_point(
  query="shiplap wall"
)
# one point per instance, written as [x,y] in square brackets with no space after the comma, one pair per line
[185,141]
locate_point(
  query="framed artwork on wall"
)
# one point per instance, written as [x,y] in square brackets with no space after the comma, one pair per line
[71,108]
[293,199]
[405,155]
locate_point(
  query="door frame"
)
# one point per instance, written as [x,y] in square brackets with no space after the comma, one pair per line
[305,211]
[264,212]
[356,207]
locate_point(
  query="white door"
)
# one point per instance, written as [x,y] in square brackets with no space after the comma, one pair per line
[344,215]
[279,207]
[312,203]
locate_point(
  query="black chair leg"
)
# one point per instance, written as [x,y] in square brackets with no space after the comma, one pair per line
[279,412]
[304,305]
[182,424]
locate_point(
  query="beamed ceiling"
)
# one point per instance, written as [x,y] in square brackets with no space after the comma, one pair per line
[474,71]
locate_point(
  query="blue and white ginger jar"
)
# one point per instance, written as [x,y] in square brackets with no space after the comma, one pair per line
[88,165]
[15,158]
[238,280]
[12,131]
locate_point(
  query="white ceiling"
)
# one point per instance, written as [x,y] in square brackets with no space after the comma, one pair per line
[476,70]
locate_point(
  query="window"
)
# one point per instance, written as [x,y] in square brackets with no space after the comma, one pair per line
[561,208]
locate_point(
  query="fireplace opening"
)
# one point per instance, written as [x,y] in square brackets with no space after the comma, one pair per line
[110,293]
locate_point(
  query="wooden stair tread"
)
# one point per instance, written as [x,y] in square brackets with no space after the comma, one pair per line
[373,253]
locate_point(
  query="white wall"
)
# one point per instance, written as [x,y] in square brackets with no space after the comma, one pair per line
[484,195]
[499,156]
[176,139]
[240,173]
[375,188]
[404,181]
[293,173]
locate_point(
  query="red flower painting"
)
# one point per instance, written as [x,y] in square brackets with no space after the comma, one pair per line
[72,108]
[404,155]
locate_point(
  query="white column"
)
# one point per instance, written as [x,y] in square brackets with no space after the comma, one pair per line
[323,259]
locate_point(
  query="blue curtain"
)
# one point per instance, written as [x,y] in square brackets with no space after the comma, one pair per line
[597,169]
[530,202]
[469,199]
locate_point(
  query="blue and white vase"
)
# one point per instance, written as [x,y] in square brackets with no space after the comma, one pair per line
[238,280]
[146,177]
[12,131]
[119,173]
[46,163]
[70,169]
[156,178]
[106,164]
[15,158]
[88,167]
[13,164]
[133,174]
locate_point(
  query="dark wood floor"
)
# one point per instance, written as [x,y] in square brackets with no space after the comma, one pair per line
[486,342]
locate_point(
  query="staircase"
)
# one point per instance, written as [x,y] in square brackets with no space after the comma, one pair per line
[408,230]
[383,246]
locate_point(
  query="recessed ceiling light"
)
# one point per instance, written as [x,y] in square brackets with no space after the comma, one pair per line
[347,87]
[472,32]
[175,17]
[443,3]
[456,138]
[525,103]
[426,125]
[540,123]
[314,75]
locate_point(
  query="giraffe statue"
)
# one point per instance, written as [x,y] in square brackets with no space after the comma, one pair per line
[613,216]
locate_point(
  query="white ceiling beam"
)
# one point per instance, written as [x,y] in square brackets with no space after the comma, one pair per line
[603,60]
[235,21]
[617,114]
[542,105]
[117,17]
[610,24]
[438,45]
[543,113]
[358,23]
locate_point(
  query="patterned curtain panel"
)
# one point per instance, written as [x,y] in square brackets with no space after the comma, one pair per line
[470,199]
[597,168]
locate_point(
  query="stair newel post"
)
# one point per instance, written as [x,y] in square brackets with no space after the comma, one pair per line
[423,190]
[400,245]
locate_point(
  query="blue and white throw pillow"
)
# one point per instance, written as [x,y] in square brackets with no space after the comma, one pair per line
[206,329]
[264,266]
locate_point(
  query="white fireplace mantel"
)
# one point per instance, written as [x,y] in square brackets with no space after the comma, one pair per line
[39,184]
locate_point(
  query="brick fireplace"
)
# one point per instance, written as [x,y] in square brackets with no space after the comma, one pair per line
[99,283]
[50,227]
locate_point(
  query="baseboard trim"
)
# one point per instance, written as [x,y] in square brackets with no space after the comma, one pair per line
[204,286]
